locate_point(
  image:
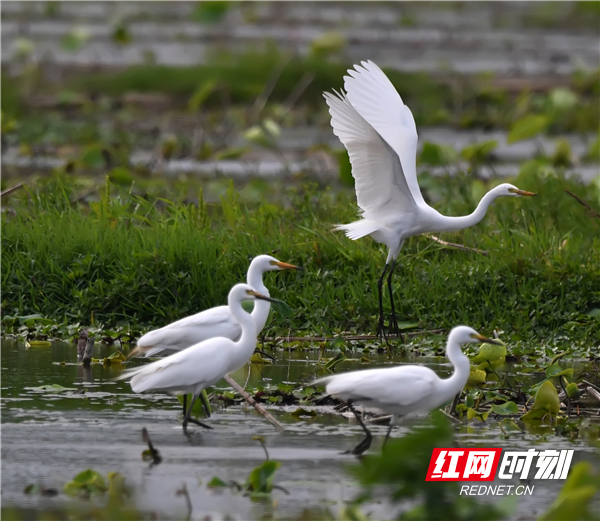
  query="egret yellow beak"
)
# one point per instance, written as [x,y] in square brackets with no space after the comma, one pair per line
[286,266]
[487,340]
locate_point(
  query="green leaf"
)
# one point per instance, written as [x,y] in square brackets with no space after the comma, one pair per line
[211,12]
[546,402]
[299,412]
[53,388]
[200,95]
[476,377]
[572,391]
[261,478]
[481,416]
[563,99]
[345,167]
[527,127]
[256,358]
[328,44]
[573,500]
[437,155]
[478,153]
[216,482]
[555,370]
[505,408]
[490,353]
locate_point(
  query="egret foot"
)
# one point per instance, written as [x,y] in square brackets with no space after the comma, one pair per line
[361,447]
[195,422]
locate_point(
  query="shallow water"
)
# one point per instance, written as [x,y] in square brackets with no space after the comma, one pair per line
[48,438]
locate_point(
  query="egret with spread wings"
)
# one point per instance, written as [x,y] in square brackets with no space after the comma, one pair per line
[405,390]
[380,134]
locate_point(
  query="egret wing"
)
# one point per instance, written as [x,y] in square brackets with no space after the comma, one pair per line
[376,168]
[402,385]
[214,322]
[205,362]
[378,102]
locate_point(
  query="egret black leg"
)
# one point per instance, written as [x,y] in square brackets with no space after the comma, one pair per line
[184,404]
[380,324]
[187,418]
[389,431]
[366,443]
[393,318]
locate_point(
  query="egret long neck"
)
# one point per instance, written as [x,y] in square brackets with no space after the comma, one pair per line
[260,312]
[247,343]
[462,368]
[450,224]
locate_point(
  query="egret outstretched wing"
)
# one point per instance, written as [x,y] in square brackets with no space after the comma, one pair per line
[379,181]
[374,97]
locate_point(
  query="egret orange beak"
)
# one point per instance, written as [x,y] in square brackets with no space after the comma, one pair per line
[522,192]
[286,266]
[487,340]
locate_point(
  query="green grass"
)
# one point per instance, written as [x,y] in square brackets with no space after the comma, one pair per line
[228,79]
[127,260]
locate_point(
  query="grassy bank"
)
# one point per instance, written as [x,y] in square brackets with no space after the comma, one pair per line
[124,259]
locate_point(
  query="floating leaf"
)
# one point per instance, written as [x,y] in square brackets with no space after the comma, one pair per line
[472,413]
[527,127]
[505,408]
[216,483]
[53,388]
[303,412]
[261,478]
[256,358]
[39,343]
[87,482]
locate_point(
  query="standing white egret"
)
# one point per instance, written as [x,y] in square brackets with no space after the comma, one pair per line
[380,134]
[194,369]
[213,322]
[405,390]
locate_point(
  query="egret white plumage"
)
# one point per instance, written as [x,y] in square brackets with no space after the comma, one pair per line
[194,369]
[213,322]
[380,134]
[404,390]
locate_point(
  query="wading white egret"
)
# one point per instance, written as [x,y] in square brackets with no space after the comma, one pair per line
[194,369]
[380,134]
[213,322]
[405,390]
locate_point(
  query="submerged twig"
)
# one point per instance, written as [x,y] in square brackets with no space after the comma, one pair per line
[259,408]
[183,491]
[456,246]
[151,453]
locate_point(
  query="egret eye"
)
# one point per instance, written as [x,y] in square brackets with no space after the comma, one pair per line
[512,190]
[272,263]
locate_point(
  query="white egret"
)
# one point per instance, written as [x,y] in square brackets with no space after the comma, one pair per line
[194,369]
[213,322]
[380,134]
[405,390]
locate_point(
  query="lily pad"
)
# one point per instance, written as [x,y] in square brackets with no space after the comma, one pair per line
[257,359]
[546,403]
[476,377]
[39,343]
[299,412]
[481,416]
[506,408]
[555,370]
[490,353]
[52,388]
